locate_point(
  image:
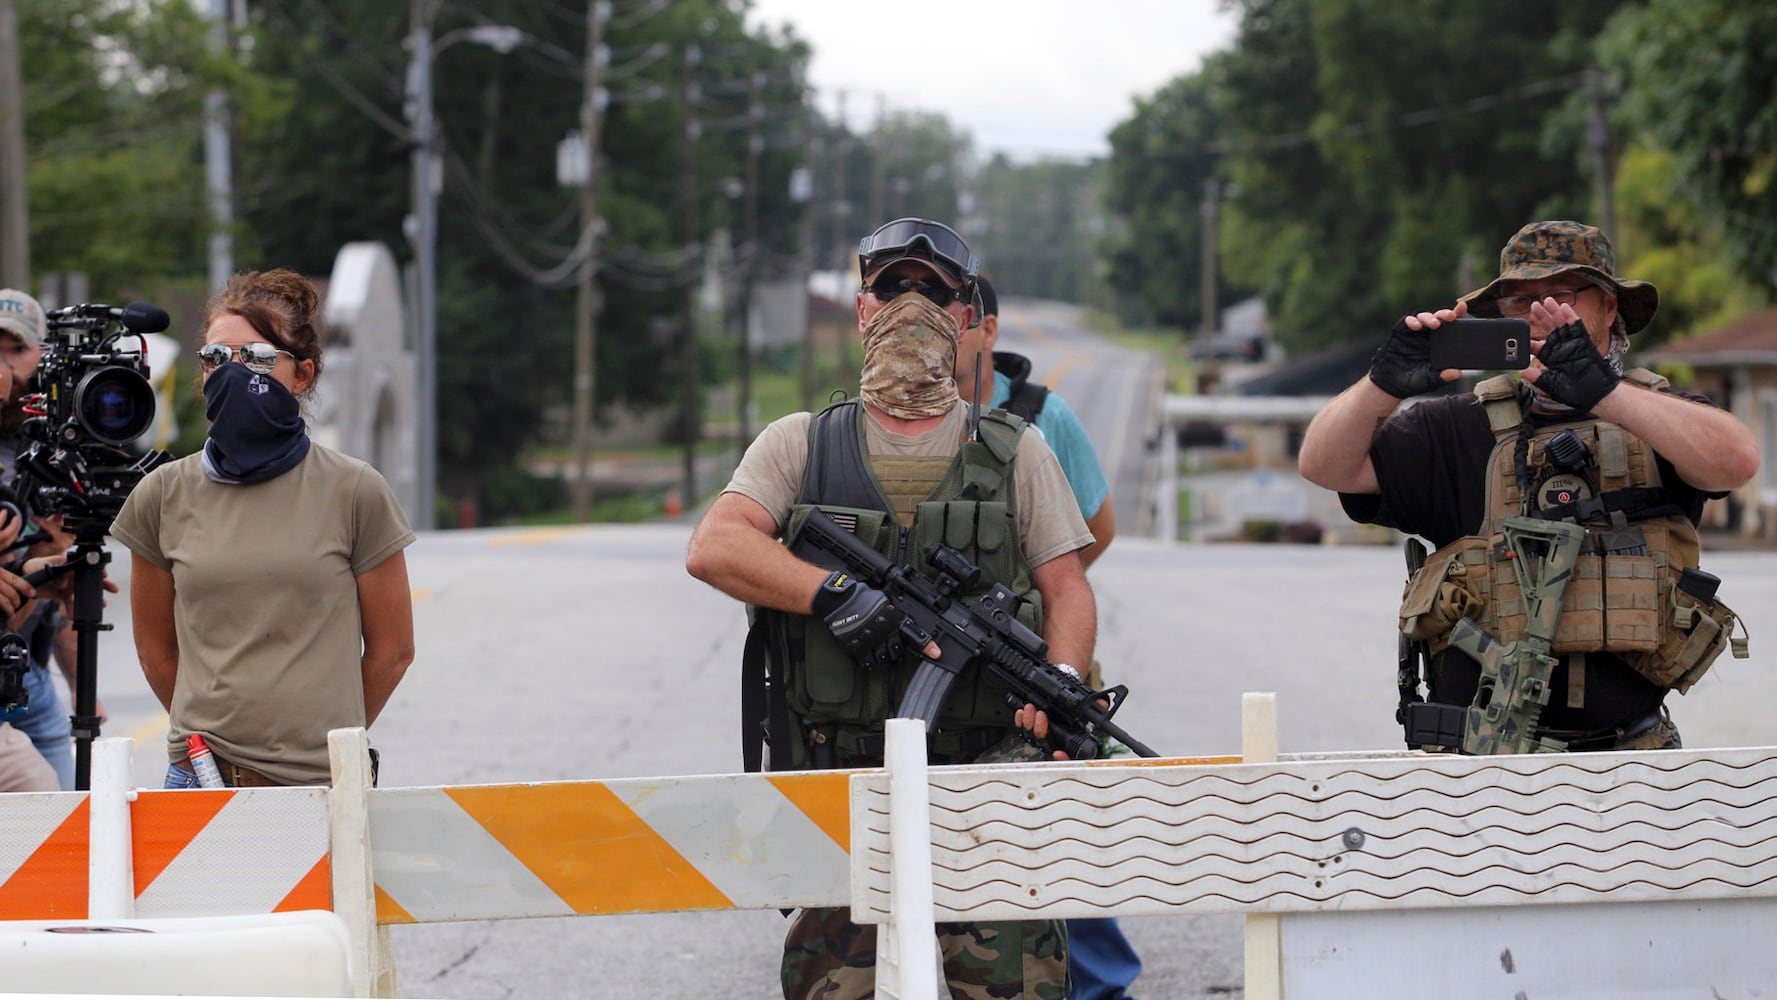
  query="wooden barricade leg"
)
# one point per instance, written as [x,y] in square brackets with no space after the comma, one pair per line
[1264,932]
[906,951]
[354,890]
[111,881]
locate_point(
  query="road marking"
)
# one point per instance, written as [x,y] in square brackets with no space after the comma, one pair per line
[535,536]
[152,726]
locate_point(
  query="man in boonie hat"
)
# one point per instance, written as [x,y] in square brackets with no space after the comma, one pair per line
[1577,439]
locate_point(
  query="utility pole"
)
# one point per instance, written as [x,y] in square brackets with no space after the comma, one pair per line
[423,232]
[586,304]
[219,159]
[1598,137]
[750,236]
[845,262]
[1211,211]
[878,164]
[688,239]
[15,216]
[810,155]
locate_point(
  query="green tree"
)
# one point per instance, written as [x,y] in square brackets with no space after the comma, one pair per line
[1700,81]
[1381,153]
[337,170]
[1163,159]
[1037,227]
[113,135]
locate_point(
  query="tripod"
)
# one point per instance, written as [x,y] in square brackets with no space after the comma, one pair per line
[88,557]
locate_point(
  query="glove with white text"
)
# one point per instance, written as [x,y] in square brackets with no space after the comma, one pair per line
[861,618]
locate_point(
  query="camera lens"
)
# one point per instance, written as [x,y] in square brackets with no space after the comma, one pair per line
[114,405]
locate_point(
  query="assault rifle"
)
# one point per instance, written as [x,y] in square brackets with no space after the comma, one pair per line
[1514,684]
[985,631]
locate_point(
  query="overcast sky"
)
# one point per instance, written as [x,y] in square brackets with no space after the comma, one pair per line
[1030,78]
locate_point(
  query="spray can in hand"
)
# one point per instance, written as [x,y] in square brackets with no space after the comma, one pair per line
[203,763]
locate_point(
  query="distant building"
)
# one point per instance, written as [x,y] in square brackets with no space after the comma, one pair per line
[1736,365]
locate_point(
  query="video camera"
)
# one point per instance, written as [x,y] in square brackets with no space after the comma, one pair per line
[94,399]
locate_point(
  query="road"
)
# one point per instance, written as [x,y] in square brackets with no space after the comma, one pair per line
[1115,390]
[549,654]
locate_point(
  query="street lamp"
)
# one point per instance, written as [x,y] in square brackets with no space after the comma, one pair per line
[422,226]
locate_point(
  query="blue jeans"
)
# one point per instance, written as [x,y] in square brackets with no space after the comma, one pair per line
[46,721]
[1101,963]
[180,777]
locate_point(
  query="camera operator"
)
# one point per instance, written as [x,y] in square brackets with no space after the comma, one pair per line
[44,718]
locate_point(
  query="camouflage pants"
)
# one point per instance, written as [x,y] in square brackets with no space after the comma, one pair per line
[827,957]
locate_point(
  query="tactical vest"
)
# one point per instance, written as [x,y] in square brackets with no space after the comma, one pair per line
[832,708]
[1626,596]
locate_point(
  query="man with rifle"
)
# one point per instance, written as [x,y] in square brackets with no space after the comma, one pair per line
[1564,598]
[904,468]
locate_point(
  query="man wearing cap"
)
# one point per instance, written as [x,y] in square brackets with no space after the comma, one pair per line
[1577,439]
[1101,962]
[902,466]
[44,719]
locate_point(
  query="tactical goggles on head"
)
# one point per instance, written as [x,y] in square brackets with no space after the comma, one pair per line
[932,241]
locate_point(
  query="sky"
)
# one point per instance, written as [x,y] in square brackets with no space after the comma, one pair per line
[1030,78]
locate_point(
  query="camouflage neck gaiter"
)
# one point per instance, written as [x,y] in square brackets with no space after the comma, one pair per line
[910,359]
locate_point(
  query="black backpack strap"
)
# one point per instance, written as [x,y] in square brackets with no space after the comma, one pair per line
[764,712]
[1025,398]
[838,471]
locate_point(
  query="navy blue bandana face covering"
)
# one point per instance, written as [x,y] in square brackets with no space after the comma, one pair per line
[256,428]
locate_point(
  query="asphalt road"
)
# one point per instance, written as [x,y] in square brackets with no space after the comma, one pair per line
[550,654]
[1115,390]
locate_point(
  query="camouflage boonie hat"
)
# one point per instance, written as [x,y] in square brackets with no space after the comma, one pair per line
[1543,249]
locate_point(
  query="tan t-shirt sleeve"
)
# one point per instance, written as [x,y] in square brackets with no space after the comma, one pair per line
[380,525]
[770,473]
[138,524]
[1049,521]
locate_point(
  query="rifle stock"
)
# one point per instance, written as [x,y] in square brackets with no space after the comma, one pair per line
[985,632]
[1514,685]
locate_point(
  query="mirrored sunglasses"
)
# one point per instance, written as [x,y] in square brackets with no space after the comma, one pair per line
[889,289]
[258,357]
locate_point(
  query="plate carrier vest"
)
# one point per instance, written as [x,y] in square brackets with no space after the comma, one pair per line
[799,682]
[1630,595]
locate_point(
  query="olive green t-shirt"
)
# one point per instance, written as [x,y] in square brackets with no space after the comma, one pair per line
[265,602]
[1049,521]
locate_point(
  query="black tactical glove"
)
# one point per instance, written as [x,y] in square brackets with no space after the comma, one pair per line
[1402,367]
[860,617]
[1574,372]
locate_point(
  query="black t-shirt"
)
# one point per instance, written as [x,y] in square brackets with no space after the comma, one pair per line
[1431,465]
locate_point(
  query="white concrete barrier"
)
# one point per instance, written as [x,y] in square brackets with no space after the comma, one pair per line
[304,954]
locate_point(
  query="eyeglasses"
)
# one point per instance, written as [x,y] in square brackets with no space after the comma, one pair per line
[897,239]
[258,357]
[889,289]
[1519,305]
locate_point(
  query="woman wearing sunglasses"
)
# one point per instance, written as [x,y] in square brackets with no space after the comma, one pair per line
[268,590]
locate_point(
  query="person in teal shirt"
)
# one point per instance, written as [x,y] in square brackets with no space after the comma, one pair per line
[1102,964]
[1060,426]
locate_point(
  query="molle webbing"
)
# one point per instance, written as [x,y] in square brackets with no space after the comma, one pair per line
[907,480]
